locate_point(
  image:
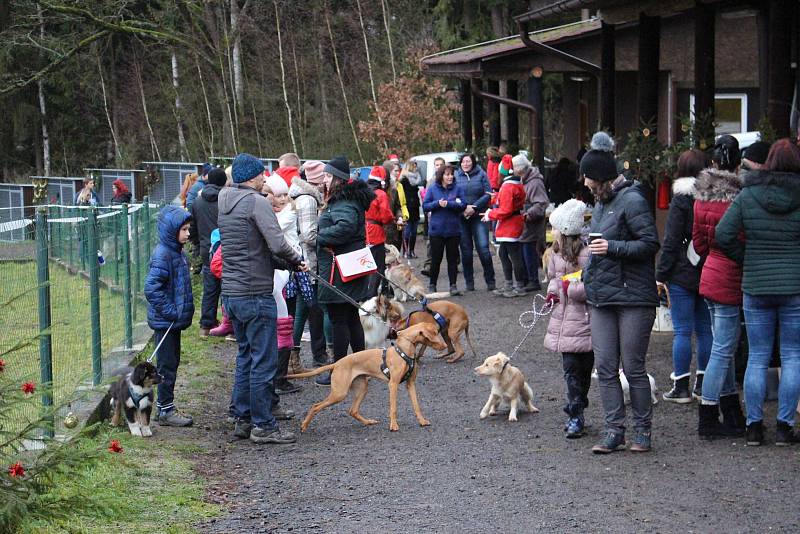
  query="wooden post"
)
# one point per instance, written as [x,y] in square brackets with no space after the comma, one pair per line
[466,113]
[513,115]
[477,117]
[763,59]
[536,99]
[607,78]
[704,82]
[649,50]
[781,81]
[494,114]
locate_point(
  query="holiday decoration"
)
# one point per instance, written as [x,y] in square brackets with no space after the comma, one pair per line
[39,190]
[643,153]
[2,365]
[115,446]
[662,194]
[70,420]
[28,388]
[16,470]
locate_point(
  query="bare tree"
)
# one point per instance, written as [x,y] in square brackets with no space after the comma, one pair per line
[208,108]
[178,108]
[153,144]
[283,76]
[117,150]
[369,68]
[43,105]
[238,83]
[385,8]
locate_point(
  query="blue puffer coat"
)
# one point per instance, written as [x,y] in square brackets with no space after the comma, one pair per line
[476,186]
[444,222]
[168,287]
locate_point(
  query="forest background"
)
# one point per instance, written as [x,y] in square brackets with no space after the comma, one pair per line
[111,83]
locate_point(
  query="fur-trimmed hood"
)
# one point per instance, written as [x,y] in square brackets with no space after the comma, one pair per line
[301,187]
[717,185]
[684,186]
[355,191]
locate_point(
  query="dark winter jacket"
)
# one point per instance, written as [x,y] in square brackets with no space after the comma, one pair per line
[768,212]
[444,222]
[250,232]
[673,265]
[721,277]
[412,196]
[191,195]
[536,203]
[168,286]
[122,198]
[341,230]
[625,276]
[204,212]
[476,186]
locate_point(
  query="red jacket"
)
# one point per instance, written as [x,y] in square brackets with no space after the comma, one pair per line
[510,201]
[216,263]
[287,173]
[493,172]
[378,214]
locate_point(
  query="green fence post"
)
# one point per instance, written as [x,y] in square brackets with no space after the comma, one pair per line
[147,229]
[45,339]
[126,279]
[94,296]
[136,258]
[115,223]
[71,232]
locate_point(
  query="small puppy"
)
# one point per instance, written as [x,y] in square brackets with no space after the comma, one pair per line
[548,252]
[626,388]
[402,275]
[133,393]
[375,331]
[393,256]
[508,384]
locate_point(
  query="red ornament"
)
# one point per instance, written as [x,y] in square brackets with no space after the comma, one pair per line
[28,387]
[2,365]
[115,446]
[16,470]
[662,194]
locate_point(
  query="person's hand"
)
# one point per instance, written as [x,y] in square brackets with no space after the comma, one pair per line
[599,247]
[551,299]
[660,284]
[565,285]
[469,211]
[302,267]
[485,217]
[443,203]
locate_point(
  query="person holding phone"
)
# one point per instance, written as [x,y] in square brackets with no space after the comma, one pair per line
[620,287]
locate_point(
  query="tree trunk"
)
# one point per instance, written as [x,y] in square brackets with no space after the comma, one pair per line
[117,151]
[238,82]
[497,21]
[283,77]
[299,105]
[153,144]
[208,108]
[369,69]
[43,106]
[385,8]
[323,94]
[178,109]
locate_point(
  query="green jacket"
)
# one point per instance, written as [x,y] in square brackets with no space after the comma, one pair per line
[767,212]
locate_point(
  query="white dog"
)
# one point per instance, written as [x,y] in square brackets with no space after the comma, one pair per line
[508,384]
[626,388]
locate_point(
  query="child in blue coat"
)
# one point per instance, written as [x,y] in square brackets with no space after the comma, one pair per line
[170,306]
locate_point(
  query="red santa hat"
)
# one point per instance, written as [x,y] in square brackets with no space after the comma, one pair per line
[378,173]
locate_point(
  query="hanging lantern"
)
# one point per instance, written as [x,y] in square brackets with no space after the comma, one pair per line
[662,194]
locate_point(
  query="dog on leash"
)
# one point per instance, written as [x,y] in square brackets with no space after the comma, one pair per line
[508,384]
[456,320]
[395,365]
[546,255]
[386,314]
[626,388]
[133,394]
[402,275]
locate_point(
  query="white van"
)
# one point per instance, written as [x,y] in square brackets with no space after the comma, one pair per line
[425,163]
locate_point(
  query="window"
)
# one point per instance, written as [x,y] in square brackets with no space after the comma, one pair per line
[730,112]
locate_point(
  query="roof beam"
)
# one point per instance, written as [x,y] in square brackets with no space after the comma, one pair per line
[556,8]
[587,66]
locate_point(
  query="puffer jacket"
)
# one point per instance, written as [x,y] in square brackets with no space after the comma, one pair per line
[251,234]
[341,230]
[533,212]
[476,187]
[768,212]
[307,200]
[508,213]
[410,184]
[673,265]
[569,329]
[168,286]
[378,214]
[204,212]
[444,221]
[721,277]
[625,276]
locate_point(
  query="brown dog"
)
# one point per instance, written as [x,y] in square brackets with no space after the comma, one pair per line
[457,322]
[352,373]
[508,384]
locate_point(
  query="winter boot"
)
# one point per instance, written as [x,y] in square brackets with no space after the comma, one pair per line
[225,327]
[755,434]
[680,389]
[282,385]
[697,391]
[785,434]
[708,425]
[732,416]
[295,365]
[575,427]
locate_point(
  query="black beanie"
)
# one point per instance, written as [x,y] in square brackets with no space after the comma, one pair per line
[217,177]
[339,167]
[757,152]
[599,166]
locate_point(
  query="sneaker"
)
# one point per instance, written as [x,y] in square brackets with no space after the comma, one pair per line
[174,418]
[755,433]
[324,380]
[680,390]
[499,292]
[230,338]
[230,418]
[575,427]
[514,293]
[242,428]
[282,414]
[785,435]
[262,435]
[287,388]
[610,443]
[641,442]
[454,292]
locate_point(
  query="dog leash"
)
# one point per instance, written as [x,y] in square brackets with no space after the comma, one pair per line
[533,316]
[150,359]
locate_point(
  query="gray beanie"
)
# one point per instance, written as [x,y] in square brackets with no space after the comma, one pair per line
[568,217]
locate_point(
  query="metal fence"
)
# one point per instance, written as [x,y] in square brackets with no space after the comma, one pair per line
[71,291]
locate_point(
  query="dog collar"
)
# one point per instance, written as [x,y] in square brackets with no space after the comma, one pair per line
[410,362]
[504,366]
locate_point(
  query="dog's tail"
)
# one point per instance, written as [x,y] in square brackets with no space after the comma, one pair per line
[437,295]
[313,372]
[469,340]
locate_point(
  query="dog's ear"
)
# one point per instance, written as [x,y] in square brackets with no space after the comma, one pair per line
[429,333]
[139,374]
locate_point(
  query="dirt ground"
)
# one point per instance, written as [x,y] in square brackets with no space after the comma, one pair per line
[462,474]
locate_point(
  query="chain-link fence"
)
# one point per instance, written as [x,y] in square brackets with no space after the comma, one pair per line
[71,290]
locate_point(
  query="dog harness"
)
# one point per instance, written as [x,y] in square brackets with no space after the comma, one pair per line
[440,319]
[410,362]
[135,397]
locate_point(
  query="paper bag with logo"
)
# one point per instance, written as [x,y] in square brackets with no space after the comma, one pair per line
[356,264]
[663,322]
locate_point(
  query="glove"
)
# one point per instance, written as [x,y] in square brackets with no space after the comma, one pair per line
[551,299]
[565,286]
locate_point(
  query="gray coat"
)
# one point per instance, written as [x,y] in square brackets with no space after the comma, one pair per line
[307,200]
[533,211]
[250,235]
[625,276]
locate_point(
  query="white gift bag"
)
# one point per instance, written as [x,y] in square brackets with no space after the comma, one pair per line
[663,322]
[355,264]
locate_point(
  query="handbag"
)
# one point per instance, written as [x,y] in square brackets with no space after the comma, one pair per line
[692,255]
[663,321]
[355,264]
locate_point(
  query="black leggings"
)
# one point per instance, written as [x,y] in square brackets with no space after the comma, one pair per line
[379,253]
[578,375]
[347,330]
[440,245]
[511,258]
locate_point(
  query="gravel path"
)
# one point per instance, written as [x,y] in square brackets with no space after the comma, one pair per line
[462,474]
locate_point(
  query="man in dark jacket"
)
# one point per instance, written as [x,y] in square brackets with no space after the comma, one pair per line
[621,287]
[251,235]
[204,221]
[478,191]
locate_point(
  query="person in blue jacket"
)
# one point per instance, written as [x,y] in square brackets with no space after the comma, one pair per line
[445,203]
[170,306]
[477,191]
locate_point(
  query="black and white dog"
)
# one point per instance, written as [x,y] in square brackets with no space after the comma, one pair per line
[133,393]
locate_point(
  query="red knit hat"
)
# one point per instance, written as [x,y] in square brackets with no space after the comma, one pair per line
[378,172]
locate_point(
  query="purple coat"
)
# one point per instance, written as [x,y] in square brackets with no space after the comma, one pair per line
[569,329]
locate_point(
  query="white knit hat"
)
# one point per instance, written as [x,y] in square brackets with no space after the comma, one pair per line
[277,185]
[568,217]
[520,162]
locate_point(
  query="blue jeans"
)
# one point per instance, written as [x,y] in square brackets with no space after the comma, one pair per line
[530,255]
[208,306]
[473,230]
[720,377]
[254,321]
[762,313]
[689,315]
[410,235]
